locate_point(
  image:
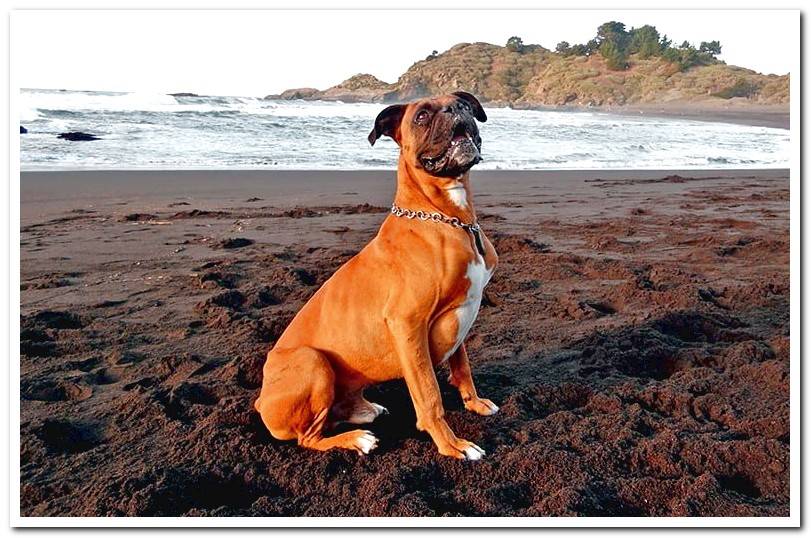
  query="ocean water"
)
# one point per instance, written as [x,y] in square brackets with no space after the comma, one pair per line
[158,131]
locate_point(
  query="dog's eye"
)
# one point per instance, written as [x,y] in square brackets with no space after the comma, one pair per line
[421,117]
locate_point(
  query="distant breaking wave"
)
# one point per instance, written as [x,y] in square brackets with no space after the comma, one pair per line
[159,131]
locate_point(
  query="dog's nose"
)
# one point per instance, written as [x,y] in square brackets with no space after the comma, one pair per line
[454,108]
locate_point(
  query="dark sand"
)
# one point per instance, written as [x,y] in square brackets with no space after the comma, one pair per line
[737,111]
[777,116]
[635,335]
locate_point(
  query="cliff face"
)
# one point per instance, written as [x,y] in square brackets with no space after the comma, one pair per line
[536,76]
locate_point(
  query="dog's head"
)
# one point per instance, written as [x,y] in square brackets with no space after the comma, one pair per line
[438,135]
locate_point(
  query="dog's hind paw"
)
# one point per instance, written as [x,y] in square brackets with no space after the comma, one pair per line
[365,442]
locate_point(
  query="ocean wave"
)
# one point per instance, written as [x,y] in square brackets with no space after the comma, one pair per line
[147,130]
[39,100]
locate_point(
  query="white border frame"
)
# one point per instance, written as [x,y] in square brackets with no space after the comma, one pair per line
[13,298]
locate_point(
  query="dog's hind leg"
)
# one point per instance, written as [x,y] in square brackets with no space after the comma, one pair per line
[362,441]
[298,390]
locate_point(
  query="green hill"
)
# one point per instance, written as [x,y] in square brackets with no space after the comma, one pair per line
[599,73]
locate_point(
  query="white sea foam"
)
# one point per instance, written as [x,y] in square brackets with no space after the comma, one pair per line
[142,130]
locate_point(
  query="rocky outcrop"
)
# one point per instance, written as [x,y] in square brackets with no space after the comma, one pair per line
[296,93]
[358,88]
[77,136]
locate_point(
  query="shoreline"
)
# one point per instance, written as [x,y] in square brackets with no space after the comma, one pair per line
[734,112]
[778,116]
[774,116]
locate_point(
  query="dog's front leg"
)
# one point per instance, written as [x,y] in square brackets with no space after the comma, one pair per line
[411,342]
[462,379]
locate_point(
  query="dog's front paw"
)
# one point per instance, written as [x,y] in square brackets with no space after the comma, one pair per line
[463,450]
[481,406]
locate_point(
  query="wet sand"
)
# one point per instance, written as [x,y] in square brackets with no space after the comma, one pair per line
[635,336]
[735,111]
[776,116]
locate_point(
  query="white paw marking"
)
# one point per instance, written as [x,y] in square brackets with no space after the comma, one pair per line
[367,442]
[473,452]
[380,409]
[493,409]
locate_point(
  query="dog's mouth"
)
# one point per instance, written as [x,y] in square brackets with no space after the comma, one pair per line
[461,153]
[459,135]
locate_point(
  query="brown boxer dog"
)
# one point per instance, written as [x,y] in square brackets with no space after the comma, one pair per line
[403,305]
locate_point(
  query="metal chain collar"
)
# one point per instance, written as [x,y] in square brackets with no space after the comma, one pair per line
[434,217]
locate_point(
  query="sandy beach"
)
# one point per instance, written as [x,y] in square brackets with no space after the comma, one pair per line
[738,113]
[777,116]
[635,336]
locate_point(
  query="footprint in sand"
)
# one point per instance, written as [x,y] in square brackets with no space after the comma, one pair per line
[103,376]
[68,436]
[56,391]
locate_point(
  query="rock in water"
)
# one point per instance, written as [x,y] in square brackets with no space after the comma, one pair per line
[77,136]
[23,130]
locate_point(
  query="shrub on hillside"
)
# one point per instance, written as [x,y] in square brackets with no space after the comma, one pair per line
[741,88]
[616,45]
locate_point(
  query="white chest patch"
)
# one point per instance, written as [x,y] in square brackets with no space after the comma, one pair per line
[458,195]
[478,275]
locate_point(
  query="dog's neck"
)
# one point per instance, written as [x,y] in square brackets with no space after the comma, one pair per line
[417,190]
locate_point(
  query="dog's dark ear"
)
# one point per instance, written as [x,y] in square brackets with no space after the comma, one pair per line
[387,123]
[475,105]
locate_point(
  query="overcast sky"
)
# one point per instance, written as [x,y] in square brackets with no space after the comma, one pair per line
[254,53]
